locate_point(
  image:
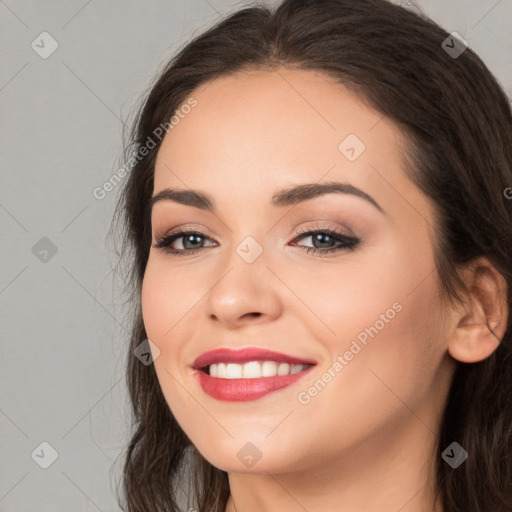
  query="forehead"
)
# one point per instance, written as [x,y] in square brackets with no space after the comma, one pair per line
[293,115]
[274,107]
[261,130]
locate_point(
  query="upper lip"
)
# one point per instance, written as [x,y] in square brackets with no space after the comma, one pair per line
[244,355]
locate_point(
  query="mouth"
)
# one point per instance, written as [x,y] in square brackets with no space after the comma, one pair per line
[247,374]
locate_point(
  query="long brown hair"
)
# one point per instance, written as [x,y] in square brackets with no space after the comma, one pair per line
[458,123]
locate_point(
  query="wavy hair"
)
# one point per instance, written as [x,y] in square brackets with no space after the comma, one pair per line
[457,121]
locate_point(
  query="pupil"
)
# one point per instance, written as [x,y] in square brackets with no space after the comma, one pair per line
[188,238]
[319,236]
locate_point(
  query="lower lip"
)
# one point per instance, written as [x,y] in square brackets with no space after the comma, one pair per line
[243,390]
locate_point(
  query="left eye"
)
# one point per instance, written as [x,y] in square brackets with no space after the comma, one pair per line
[324,237]
[327,236]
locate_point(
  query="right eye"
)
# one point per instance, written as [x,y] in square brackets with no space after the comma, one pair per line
[190,237]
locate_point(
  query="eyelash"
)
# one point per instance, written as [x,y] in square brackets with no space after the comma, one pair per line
[348,243]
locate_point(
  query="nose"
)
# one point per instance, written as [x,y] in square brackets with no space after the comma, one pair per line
[245,293]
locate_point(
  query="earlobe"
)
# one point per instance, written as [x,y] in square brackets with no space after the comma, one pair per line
[481,324]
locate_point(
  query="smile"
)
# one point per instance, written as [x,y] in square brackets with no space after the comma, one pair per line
[247,374]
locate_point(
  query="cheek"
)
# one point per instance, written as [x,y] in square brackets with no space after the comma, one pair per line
[166,300]
[154,307]
[387,361]
[382,314]
[340,302]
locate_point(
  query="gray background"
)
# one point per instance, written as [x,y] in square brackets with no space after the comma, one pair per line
[63,331]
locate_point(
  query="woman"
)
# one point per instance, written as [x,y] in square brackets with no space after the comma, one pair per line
[321,260]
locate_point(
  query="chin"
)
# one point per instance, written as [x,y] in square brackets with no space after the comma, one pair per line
[236,456]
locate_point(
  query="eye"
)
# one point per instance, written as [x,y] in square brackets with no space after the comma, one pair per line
[191,242]
[327,240]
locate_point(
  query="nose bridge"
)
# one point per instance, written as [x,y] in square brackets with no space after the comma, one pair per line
[243,285]
[247,237]
[245,263]
[249,249]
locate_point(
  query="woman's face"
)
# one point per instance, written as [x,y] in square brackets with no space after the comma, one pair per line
[366,315]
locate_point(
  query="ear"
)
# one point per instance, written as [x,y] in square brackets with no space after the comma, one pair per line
[482,322]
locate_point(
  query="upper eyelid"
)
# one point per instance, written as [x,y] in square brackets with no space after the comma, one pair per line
[185,229]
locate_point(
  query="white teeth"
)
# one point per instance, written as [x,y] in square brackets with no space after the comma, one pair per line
[269,369]
[296,368]
[254,369]
[233,371]
[284,369]
[251,370]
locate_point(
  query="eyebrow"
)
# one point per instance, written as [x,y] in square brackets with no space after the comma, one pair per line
[285,197]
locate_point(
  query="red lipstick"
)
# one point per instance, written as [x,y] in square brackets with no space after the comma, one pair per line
[244,389]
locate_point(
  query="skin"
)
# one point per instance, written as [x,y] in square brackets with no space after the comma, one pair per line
[366,441]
